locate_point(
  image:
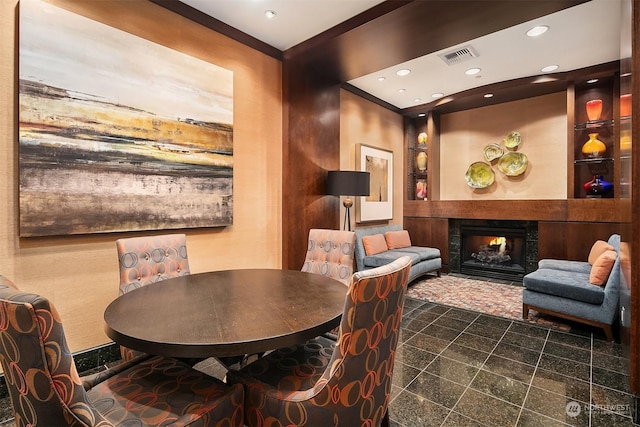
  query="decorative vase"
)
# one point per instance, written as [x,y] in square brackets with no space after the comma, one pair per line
[421,161]
[594,148]
[594,109]
[422,138]
[597,186]
[625,105]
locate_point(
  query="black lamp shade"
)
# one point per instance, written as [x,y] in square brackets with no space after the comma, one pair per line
[348,183]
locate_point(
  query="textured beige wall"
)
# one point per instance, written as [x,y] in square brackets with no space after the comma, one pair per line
[363,122]
[542,122]
[80,273]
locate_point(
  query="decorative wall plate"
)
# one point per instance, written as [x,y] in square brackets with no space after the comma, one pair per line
[513,163]
[512,140]
[479,175]
[492,152]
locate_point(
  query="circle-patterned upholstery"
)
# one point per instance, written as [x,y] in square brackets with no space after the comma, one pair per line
[45,388]
[330,253]
[327,383]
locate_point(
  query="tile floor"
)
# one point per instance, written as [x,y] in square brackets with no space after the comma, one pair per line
[456,367]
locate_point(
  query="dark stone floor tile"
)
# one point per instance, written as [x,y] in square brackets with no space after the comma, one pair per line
[609,400]
[458,420]
[610,419]
[609,348]
[412,304]
[519,340]
[509,368]
[413,356]
[437,389]
[529,330]
[485,331]
[412,410]
[561,384]
[486,409]
[451,323]
[494,322]
[567,367]
[612,363]
[557,406]
[570,339]
[466,315]
[476,342]
[452,370]
[428,343]
[568,352]
[412,324]
[465,355]
[501,387]
[441,332]
[395,391]
[518,354]
[426,316]
[439,309]
[611,379]
[404,374]
[404,335]
[533,419]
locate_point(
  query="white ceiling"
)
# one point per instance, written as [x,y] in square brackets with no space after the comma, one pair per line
[578,37]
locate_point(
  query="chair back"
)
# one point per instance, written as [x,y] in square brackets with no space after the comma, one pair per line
[41,376]
[145,260]
[330,253]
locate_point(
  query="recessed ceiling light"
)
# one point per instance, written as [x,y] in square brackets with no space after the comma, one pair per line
[270,14]
[537,30]
[472,71]
[592,81]
[417,99]
[403,72]
[549,68]
[488,95]
[401,90]
[381,78]
[437,95]
[422,114]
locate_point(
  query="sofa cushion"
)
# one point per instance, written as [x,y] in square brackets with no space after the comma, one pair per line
[566,284]
[397,239]
[385,258]
[423,252]
[561,264]
[602,268]
[598,248]
[374,244]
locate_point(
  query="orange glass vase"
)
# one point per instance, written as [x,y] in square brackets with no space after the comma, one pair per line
[594,148]
[594,109]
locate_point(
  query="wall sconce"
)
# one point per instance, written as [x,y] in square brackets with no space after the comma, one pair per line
[348,183]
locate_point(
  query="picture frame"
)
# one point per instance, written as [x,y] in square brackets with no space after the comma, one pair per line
[378,206]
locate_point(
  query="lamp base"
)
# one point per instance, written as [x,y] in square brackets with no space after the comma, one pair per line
[347,216]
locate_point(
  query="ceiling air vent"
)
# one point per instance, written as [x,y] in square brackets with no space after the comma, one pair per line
[462,54]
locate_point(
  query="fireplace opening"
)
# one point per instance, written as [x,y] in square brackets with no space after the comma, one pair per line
[493,251]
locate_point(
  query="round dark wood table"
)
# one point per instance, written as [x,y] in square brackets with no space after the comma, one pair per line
[226,313]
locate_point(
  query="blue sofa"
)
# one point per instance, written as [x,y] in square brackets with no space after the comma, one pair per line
[423,259]
[561,288]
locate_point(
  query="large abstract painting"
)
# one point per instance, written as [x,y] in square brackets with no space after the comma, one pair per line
[378,205]
[118,133]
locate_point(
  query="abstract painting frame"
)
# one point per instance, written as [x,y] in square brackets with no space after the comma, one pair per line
[116,132]
[378,205]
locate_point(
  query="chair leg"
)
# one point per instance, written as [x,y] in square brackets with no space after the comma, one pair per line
[608,333]
[525,311]
[385,419]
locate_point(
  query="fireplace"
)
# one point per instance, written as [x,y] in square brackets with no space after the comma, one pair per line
[498,249]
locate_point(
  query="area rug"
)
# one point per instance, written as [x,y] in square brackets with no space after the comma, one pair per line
[479,295]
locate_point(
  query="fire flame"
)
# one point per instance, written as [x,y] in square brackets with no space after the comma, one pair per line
[498,241]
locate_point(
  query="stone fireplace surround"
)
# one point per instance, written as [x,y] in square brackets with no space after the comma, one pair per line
[530,245]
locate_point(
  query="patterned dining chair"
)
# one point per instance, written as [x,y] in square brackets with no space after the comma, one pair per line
[328,383]
[330,253]
[45,388]
[149,259]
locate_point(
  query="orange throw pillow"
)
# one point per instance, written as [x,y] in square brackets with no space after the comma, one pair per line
[397,239]
[602,268]
[374,244]
[598,248]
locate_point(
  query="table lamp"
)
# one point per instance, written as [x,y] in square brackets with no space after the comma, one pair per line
[348,183]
